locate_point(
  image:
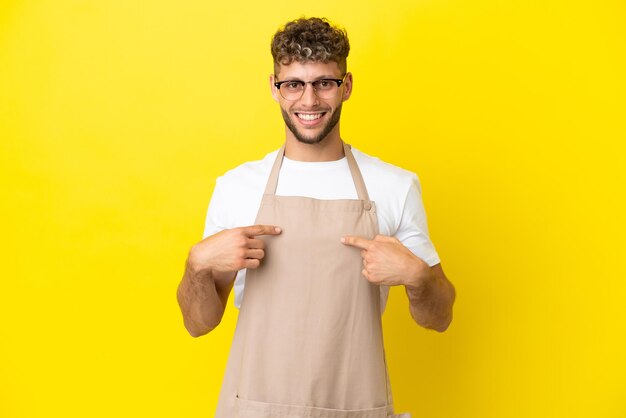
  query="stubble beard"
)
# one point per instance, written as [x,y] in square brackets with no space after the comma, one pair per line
[318,138]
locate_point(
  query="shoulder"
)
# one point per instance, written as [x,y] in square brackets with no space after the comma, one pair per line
[248,174]
[238,193]
[380,174]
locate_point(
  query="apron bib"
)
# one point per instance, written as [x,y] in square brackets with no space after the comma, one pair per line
[308,341]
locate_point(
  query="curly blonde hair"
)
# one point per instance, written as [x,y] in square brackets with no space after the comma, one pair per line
[310,40]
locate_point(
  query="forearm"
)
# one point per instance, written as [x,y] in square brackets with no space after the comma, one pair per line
[431,301]
[202,298]
[210,272]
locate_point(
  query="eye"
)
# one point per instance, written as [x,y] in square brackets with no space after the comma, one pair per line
[292,85]
[324,84]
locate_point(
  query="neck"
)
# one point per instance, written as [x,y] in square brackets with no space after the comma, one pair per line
[329,149]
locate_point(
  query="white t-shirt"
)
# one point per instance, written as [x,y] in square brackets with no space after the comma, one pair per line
[395,191]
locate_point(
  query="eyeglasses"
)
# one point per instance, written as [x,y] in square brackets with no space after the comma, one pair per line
[324,88]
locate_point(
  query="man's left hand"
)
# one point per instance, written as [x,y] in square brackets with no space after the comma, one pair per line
[386,261]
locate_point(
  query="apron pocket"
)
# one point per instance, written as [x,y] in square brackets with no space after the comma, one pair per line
[255,409]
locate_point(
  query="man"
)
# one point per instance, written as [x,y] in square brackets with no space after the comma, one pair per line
[315,254]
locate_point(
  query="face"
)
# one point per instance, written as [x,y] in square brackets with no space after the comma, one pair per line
[311,119]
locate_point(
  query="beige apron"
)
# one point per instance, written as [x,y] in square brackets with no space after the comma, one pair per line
[308,341]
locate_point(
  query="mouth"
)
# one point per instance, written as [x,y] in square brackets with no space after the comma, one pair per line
[309,118]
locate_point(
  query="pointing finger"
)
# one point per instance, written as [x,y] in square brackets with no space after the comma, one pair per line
[359,242]
[256,230]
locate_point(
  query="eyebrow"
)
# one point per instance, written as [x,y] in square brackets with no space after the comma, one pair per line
[330,77]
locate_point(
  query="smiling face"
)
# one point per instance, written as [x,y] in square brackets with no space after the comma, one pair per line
[310,119]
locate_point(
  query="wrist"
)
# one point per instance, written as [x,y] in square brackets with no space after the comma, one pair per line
[422,286]
[200,271]
[197,271]
[419,275]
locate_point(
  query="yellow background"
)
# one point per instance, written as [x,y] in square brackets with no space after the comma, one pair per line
[117,116]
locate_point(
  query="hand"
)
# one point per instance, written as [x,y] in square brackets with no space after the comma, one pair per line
[231,250]
[387,262]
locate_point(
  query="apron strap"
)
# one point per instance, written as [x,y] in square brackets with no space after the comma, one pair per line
[357,178]
[361,190]
[272,183]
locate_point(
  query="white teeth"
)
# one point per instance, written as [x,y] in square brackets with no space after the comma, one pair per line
[309,116]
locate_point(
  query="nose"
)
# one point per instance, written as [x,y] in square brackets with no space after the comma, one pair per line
[309,98]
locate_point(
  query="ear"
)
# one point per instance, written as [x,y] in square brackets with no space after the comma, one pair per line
[273,88]
[347,87]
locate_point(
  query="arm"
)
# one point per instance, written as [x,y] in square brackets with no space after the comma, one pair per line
[431,299]
[430,294]
[210,271]
[386,261]
[202,298]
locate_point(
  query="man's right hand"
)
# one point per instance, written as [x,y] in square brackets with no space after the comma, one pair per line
[231,250]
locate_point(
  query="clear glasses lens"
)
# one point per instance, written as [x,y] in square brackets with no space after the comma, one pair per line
[324,89]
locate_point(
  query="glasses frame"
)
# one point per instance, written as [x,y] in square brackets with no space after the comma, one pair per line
[277,84]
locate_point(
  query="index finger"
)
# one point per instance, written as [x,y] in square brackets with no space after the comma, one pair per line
[359,242]
[256,230]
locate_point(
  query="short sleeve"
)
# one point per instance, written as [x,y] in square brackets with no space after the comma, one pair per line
[216,217]
[413,228]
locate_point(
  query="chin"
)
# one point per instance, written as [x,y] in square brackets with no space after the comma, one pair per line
[309,141]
